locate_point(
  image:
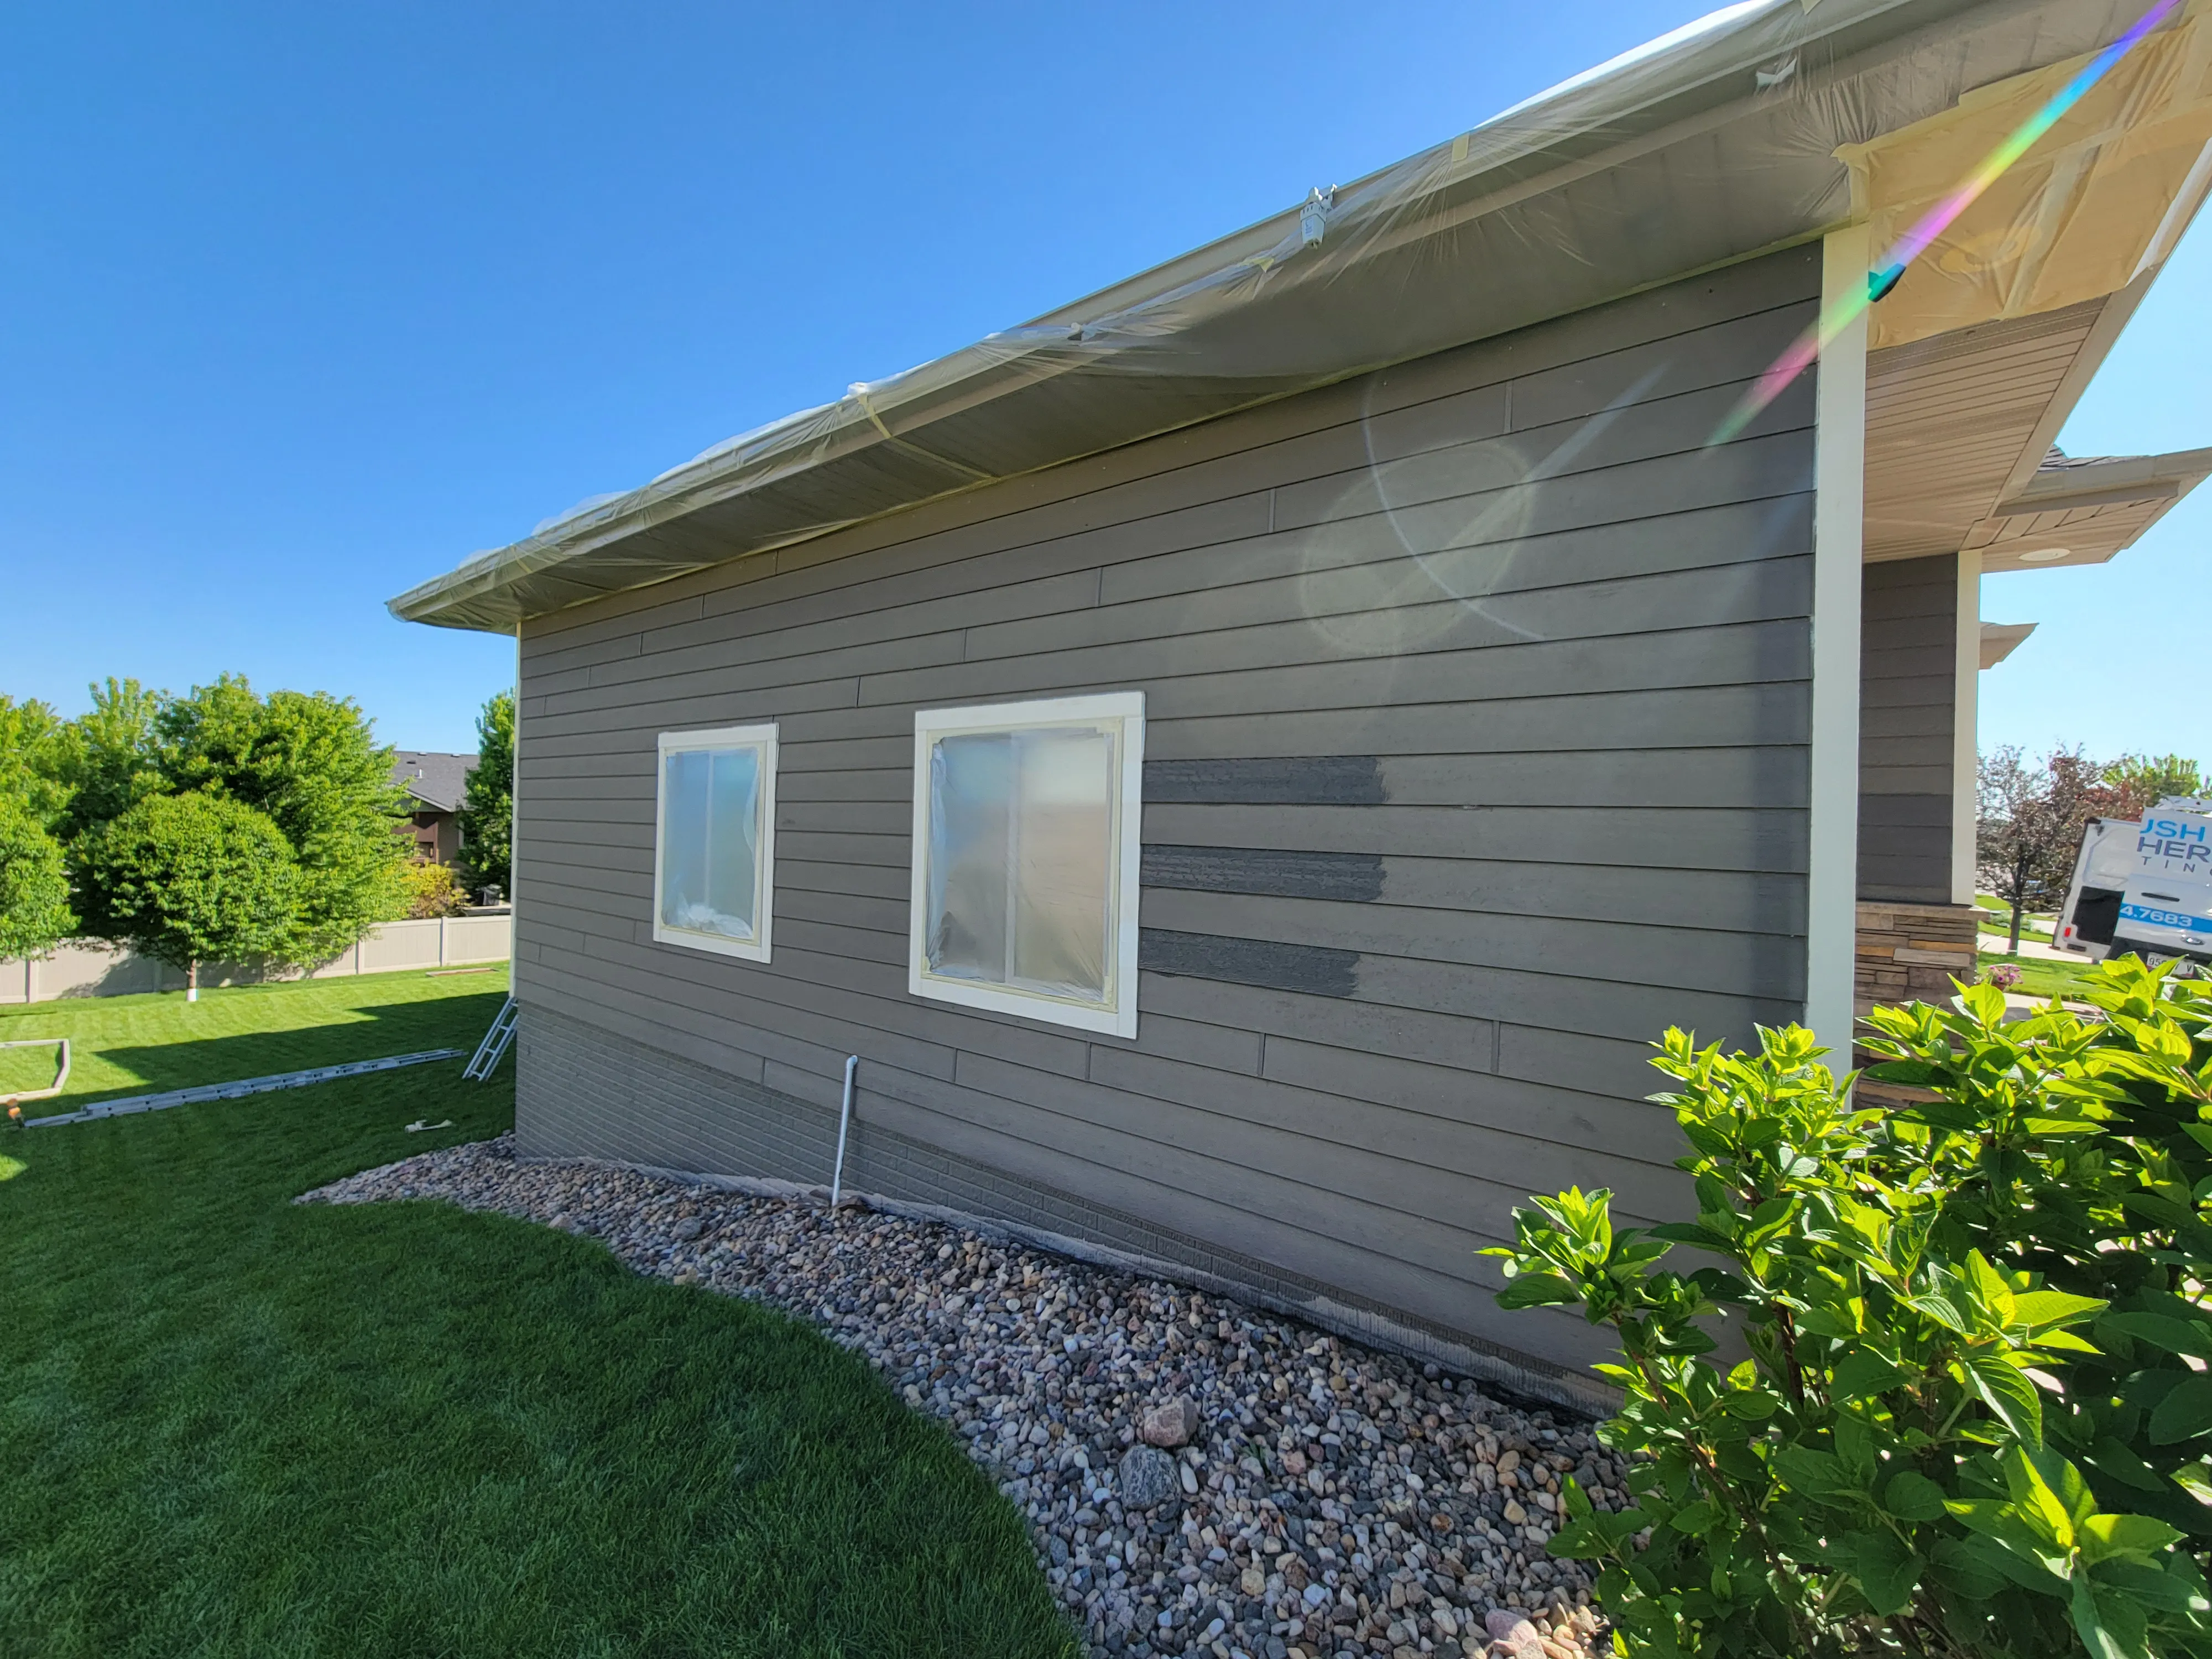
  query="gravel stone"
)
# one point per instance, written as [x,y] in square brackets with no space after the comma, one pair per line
[1326,1499]
[1147,1479]
[1170,1424]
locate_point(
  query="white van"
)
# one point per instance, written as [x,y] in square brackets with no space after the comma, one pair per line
[2144,885]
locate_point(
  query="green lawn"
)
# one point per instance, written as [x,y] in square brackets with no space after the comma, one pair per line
[230,1424]
[1996,918]
[133,1045]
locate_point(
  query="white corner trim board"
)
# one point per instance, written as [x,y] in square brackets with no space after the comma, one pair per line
[1839,574]
[1966,717]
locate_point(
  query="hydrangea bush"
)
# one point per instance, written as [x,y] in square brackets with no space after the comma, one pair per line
[1935,1382]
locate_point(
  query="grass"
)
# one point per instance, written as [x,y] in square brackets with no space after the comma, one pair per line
[231,1425]
[1998,919]
[134,1045]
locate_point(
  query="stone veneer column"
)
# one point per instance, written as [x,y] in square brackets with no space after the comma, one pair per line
[1907,953]
[1911,952]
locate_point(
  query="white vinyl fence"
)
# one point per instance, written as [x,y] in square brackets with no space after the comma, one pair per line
[87,967]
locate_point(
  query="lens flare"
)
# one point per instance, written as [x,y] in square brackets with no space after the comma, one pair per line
[1884,277]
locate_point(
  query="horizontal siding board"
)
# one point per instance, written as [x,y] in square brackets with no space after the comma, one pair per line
[1658,840]
[1446,1040]
[1733,963]
[1720,716]
[1725,901]
[1628,1132]
[1416,553]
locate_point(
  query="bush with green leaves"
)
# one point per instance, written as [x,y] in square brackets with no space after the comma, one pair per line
[198,878]
[1970,1416]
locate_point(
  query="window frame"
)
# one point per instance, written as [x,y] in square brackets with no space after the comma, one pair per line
[764,737]
[1118,1016]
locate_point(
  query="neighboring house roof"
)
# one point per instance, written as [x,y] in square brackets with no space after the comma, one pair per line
[440,781]
[1764,125]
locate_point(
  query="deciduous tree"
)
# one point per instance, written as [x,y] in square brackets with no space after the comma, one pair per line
[196,877]
[2139,782]
[2031,816]
[487,819]
[312,763]
[105,758]
[34,888]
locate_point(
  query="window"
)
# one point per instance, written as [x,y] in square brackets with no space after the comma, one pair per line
[1025,853]
[713,845]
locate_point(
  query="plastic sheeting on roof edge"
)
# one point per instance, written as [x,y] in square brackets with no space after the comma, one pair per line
[2101,197]
[1707,146]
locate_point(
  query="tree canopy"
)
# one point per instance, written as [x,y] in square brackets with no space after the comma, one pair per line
[34,888]
[2139,782]
[306,764]
[2032,817]
[195,878]
[309,761]
[488,818]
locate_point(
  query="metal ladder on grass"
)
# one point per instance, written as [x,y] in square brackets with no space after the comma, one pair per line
[493,1049]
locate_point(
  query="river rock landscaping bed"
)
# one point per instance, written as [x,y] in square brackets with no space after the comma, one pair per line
[1200,1479]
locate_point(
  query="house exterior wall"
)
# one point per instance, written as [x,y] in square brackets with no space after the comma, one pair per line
[436,836]
[1477,713]
[1909,689]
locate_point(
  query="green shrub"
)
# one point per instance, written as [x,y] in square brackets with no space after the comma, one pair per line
[431,891]
[1971,1418]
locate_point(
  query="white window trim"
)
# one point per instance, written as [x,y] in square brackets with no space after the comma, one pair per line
[1119,1017]
[720,737]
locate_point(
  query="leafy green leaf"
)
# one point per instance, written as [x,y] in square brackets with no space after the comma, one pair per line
[2185,1412]
[2036,1309]
[1865,1374]
[1542,1289]
[1913,1497]
[2007,1393]
[2136,1536]
[2180,1336]
[2106,1627]
[1888,1571]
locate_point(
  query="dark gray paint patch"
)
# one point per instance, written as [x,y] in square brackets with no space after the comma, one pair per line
[1354,876]
[1289,780]
[1315,970]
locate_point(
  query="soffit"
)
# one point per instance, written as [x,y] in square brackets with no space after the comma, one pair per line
[1989,339]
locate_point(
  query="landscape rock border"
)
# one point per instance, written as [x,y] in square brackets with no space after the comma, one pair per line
[1199,1478]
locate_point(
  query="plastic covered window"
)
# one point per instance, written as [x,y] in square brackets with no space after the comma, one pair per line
[1025,829]
[714,840]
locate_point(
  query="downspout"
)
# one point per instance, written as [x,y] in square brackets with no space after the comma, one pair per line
[844,1123]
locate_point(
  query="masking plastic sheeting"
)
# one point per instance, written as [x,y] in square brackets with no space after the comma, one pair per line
[2104,195]
[1708,144]
[1020,859]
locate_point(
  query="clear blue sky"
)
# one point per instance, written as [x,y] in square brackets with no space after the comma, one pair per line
[302,305]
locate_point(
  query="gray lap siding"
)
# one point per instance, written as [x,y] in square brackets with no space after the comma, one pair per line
[1477,725]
